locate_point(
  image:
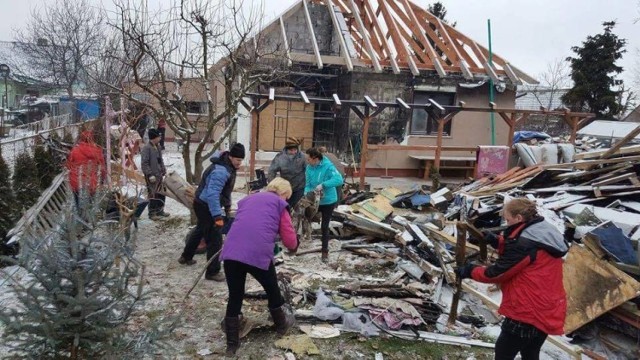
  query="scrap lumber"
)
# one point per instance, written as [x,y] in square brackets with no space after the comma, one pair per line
[634,149]
[586,164]
[593,287]
[460,260]
[376,209]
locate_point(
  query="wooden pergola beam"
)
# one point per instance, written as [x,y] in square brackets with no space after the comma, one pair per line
[312,33]
[365,37]
[338,30]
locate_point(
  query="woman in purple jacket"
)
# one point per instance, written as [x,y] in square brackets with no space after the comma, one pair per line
[248,249]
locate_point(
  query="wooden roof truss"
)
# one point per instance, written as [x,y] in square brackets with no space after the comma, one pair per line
[399,34]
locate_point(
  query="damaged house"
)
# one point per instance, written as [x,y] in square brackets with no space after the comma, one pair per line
[387,50]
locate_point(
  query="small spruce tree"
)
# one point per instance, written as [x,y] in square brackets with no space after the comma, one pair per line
[7,202]
[83,287]
[45,165]
[26,185]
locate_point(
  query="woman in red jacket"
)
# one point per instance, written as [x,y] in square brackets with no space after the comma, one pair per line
[86,165]
[529,271]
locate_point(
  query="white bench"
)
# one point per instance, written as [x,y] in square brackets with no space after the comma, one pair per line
[466,163]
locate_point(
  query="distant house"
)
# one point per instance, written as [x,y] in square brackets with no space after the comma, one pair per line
[534,97]
[195,100]
[384,49]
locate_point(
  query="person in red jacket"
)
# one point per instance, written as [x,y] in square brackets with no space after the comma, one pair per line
[86,165]
[529,272]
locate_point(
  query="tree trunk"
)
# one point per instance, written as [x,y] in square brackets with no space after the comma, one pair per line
[186,156]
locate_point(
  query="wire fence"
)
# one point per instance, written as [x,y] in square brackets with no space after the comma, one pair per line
[26,137]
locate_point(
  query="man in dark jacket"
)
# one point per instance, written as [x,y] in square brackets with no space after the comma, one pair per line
[212,196]
[291,164]
[154,170]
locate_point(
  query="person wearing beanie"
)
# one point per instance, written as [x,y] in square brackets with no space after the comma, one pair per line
[211,197]
[290,165]
[154,171]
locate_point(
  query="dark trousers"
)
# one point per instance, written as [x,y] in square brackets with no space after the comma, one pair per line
[296,195]
[161,130]
[326,211]
[156,200]
[236,274]
[517,337]
[211,234]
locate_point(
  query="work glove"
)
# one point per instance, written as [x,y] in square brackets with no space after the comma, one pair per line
[218,222]
[319,188]
[491,239]
[152,179]
[464,271]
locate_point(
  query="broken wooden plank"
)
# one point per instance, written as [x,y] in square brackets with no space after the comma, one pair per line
[593,287]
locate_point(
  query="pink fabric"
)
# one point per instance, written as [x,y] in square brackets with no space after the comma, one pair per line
[287,233]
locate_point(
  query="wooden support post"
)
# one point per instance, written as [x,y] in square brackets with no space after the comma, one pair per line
[255,117]
[461,245]
[436,160]
[573,122]
[365,147]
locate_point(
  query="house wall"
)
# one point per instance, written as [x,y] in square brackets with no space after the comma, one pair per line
[468,128]
[190,90]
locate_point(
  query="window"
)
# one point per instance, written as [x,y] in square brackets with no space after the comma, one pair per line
[192,107]
[421,123]
[195,107]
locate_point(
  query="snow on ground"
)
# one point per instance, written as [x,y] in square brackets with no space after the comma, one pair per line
[160,243]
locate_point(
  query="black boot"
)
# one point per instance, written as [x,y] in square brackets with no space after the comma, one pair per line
[282,319]
[232,329]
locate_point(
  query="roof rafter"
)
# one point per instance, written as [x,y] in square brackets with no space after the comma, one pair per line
[435,59]
[341,41]
[383,40]
[400,46]
[365,36]
[314,42]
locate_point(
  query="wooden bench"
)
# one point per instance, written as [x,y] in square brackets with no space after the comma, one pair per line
[466,163]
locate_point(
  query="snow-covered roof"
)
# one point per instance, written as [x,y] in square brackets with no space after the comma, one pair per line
[609,129]
[532,98]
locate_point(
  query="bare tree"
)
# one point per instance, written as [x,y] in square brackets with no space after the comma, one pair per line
[61,41]
[552,83]
[172,49]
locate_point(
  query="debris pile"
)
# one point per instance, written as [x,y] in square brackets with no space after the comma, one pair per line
[406,244]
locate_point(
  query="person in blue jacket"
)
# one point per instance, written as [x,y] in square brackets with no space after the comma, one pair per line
[323,178]
[212,196]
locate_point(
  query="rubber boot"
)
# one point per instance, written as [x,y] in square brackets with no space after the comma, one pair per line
[244,328]
[282,319]
[232,329]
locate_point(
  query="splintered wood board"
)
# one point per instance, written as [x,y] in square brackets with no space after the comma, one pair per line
[593,287]
[376,209]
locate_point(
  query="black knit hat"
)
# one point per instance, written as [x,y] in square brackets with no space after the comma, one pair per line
[153,133]
[237,151]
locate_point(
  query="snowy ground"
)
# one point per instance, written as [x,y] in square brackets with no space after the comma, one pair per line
[159,245]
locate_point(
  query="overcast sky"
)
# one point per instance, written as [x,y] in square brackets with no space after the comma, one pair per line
[528,33]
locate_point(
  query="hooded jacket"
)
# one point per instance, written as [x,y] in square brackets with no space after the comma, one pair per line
[86,164]
[529,271]
[291,168]
[326,174]
[217,184]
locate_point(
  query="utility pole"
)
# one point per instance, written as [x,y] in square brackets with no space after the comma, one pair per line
[4,71]
[491,88]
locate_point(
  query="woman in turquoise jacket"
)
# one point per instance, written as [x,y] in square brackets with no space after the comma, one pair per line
[323,178]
